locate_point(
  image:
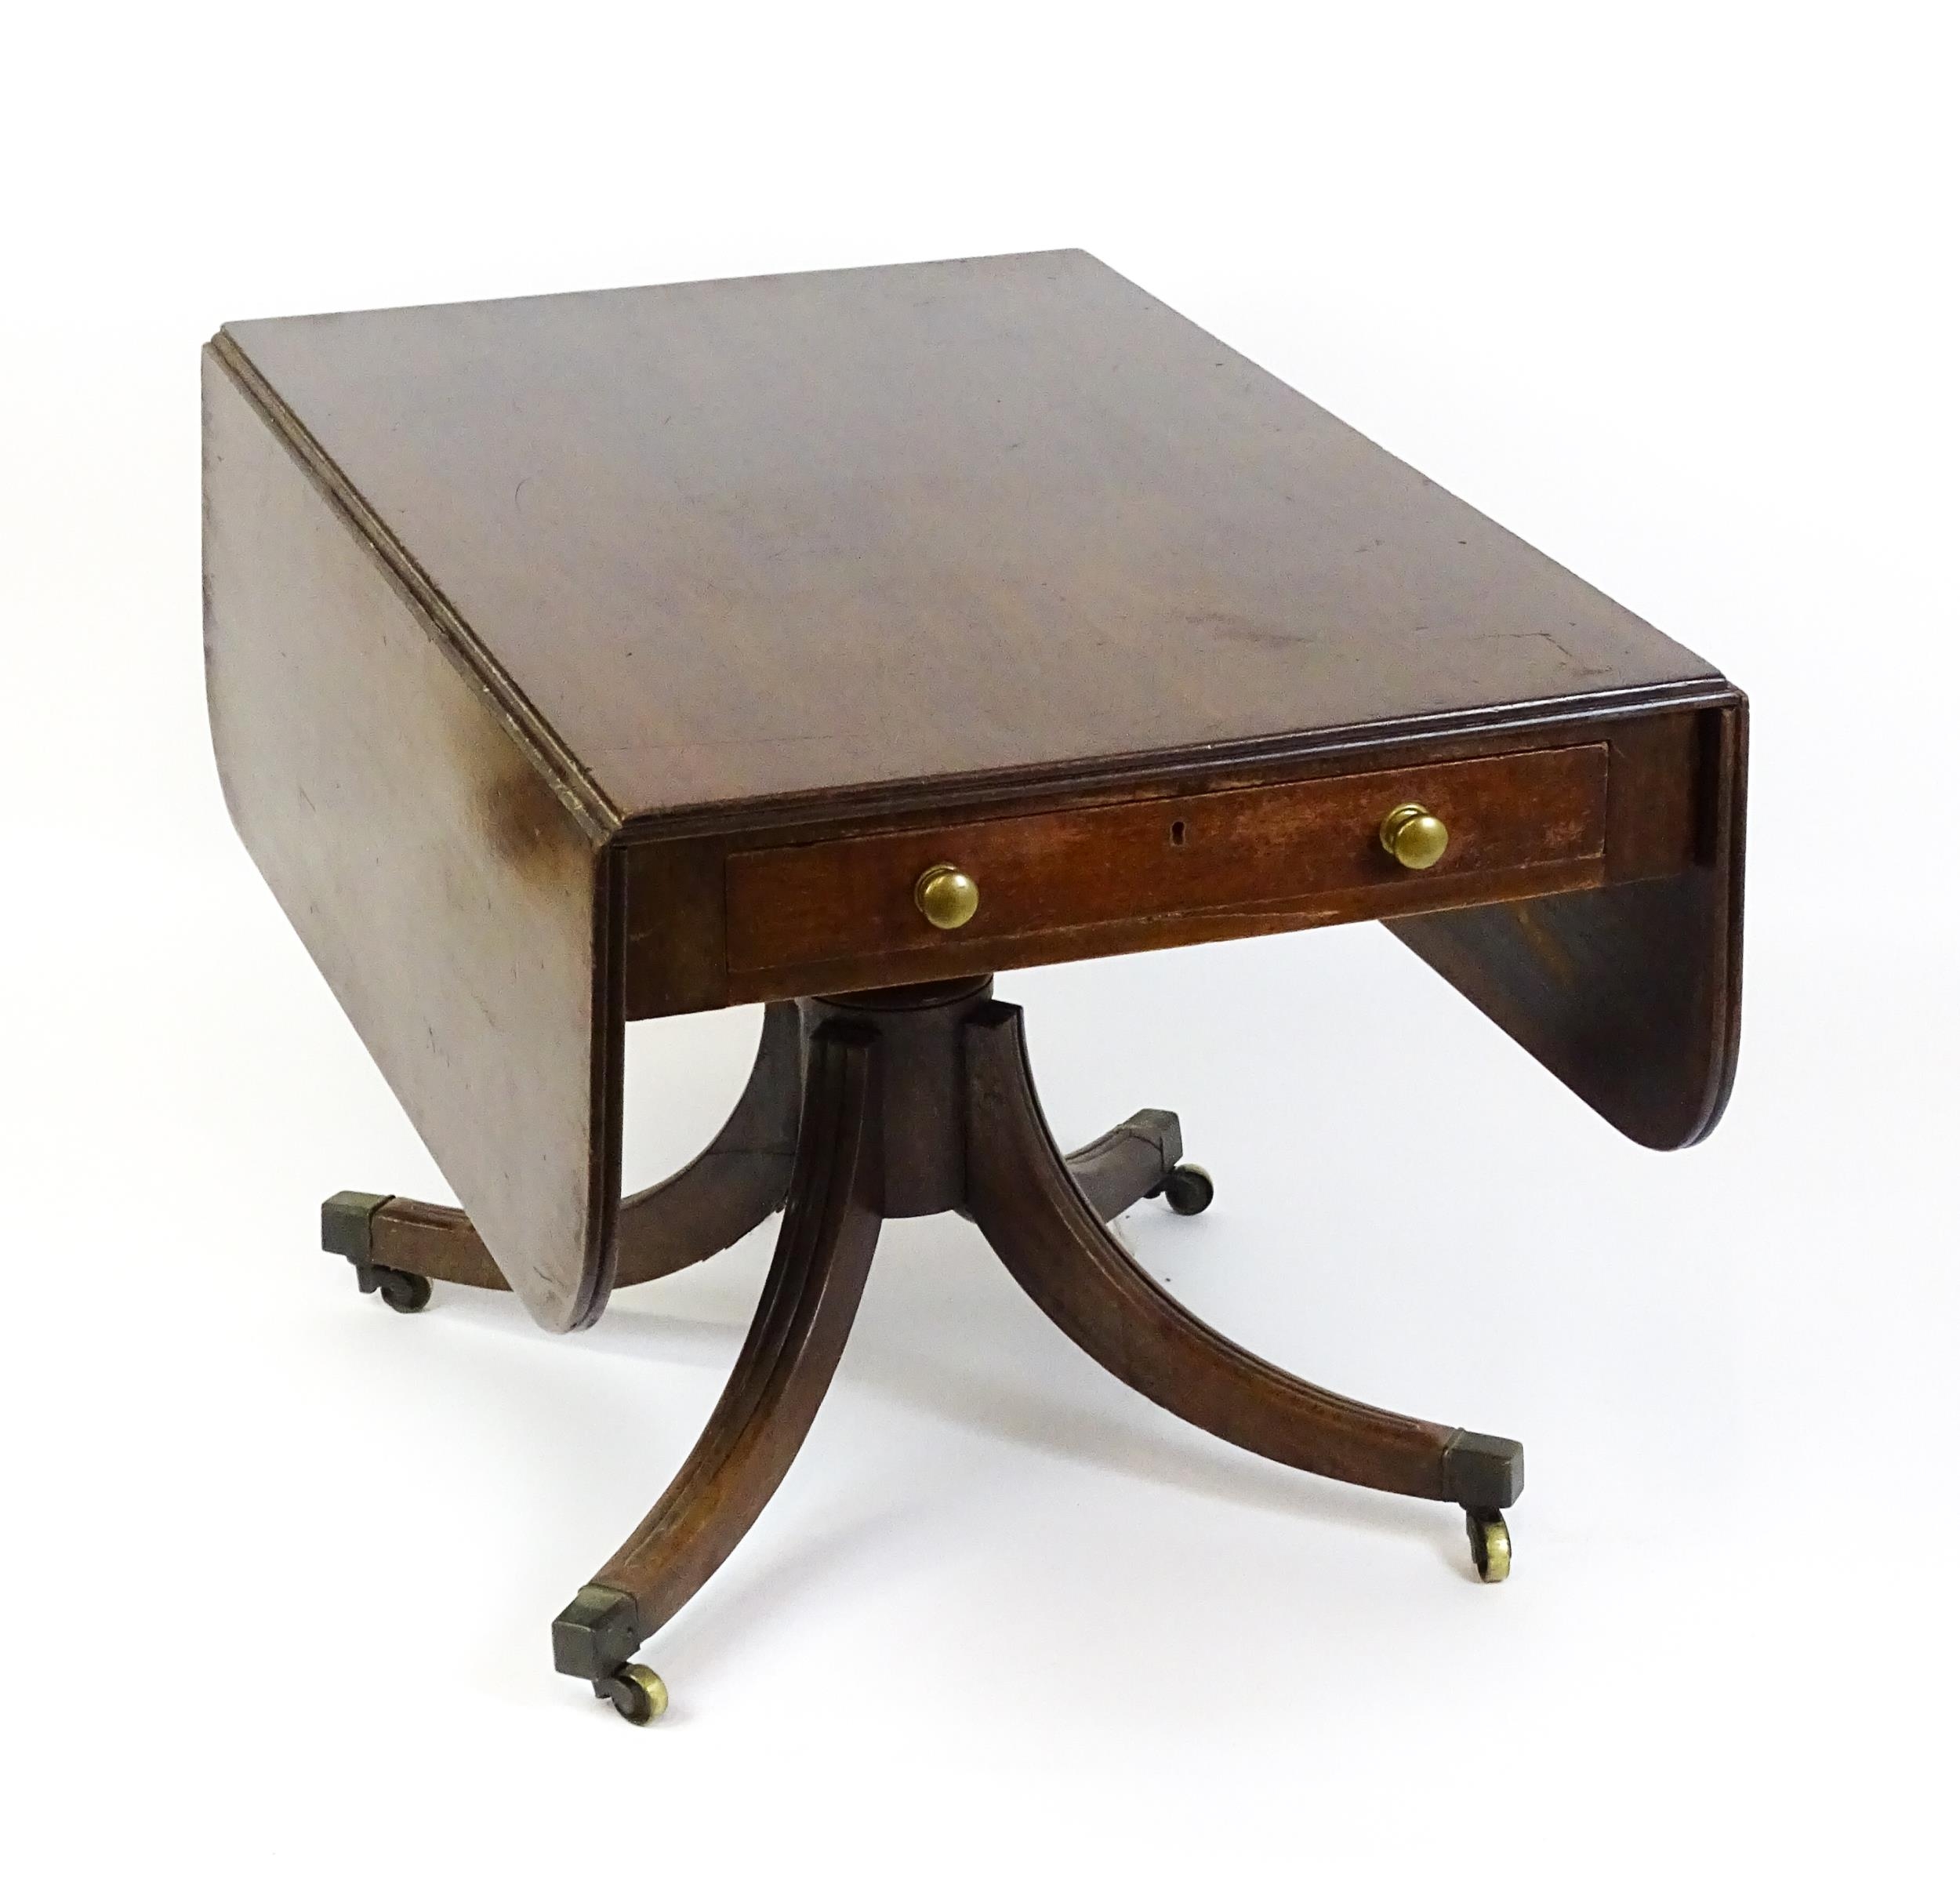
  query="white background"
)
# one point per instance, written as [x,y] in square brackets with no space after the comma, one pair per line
[1663,289]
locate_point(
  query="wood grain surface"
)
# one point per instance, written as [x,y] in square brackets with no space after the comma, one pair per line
[1632,995]
[804,906]
[751,544]
[465,920]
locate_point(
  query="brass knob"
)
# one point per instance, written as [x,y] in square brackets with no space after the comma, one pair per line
[947,897]
[1414,836]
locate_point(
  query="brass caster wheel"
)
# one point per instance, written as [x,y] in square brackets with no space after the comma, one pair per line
[402,1289]
[1188,1189]
[638,1693]
[1489,1545]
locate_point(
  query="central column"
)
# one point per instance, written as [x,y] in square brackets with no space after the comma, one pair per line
[919,1057]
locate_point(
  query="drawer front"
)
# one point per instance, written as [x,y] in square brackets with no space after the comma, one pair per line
[793,907]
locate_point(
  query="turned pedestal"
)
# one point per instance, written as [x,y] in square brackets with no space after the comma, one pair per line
[913,1101]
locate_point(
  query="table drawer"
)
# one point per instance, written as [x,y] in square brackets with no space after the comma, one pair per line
[793,907]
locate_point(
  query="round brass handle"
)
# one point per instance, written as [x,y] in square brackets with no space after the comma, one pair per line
[1414,836]
[946,896]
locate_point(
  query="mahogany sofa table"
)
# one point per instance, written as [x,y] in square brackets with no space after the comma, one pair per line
[834,640]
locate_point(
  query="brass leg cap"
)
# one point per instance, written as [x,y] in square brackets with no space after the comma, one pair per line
[638,1693]
[1489,1545]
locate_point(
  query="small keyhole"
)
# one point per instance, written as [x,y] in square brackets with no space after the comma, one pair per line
[1177,832]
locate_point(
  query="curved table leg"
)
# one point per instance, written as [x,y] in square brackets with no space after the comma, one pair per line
[739,1181]
[398,1246]
[1142,1156]
[829,1230]
[1052,1237]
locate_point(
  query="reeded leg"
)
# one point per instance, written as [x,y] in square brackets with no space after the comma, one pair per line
[399,1246]
[1050,1235]
[830,1230]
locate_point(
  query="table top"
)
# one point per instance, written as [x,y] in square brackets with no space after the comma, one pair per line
[751,545]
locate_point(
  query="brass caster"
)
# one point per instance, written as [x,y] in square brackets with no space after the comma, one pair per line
[402,1289]
[1189,1190]
[638,1693]
[1489,1545]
